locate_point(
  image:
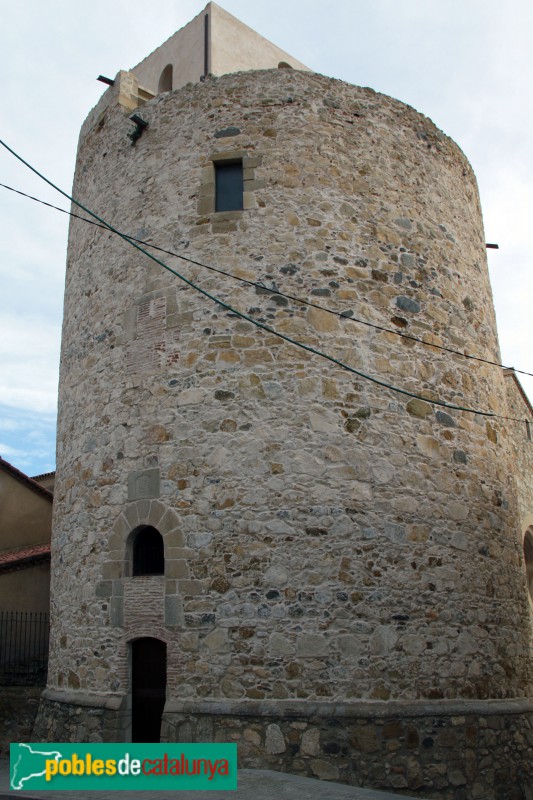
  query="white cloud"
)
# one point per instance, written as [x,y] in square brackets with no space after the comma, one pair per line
[28,354]
[466,65]
[28,439]
[7,450]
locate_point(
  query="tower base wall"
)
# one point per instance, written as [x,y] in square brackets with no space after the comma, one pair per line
[79,717]
[447,750]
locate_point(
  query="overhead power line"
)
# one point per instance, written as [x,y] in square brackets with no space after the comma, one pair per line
[254,322]
[344,315]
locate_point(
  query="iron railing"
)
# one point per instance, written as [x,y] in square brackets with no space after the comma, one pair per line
[23,647]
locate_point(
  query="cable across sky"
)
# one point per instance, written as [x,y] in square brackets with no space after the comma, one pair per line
[246,317]
[344,315]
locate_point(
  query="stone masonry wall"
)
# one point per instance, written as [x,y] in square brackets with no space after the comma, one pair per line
[522,448]
[443,750]
[326,539]
[18,709]
[483,753]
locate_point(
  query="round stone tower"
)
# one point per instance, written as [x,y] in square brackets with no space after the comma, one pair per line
[332,570]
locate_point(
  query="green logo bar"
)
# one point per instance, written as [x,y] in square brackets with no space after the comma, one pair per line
[123,767]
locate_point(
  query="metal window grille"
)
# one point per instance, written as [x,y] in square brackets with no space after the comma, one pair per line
[24,640]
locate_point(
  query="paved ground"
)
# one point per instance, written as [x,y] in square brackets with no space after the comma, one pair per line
[254,784]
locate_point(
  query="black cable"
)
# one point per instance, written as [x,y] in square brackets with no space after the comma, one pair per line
[258,324]
[257,284]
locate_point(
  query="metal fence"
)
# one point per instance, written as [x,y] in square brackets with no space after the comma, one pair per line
[23,647]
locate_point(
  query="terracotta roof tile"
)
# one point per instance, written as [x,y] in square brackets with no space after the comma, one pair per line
[24,556]
[43,475]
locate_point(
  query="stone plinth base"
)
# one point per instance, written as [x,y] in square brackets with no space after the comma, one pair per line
[79,717]
[454,750]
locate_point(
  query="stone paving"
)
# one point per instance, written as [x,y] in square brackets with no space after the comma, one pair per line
[258,784]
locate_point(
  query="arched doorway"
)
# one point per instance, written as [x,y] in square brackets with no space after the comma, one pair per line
[148,688]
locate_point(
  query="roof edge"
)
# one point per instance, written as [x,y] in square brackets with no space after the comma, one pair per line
[24,557]
[20,476]
[42,475]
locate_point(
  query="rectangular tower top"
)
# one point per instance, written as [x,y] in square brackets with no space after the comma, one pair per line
[215,43]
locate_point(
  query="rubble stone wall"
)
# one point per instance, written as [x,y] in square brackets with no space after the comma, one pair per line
[18,710]
[521,443]
[327,539]
[446,750]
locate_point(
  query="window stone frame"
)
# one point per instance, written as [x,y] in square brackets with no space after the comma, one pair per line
[206,196]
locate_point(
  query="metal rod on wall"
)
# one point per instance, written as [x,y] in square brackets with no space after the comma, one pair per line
[206,45]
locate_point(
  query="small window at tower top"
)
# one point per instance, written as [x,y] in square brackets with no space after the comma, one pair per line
[228,186]
[165,81]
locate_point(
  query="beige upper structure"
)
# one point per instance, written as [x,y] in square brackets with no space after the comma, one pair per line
[215,43]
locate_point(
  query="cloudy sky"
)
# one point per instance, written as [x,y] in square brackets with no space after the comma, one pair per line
[466,64]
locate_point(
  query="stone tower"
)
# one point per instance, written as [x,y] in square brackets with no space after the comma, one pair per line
[322,569]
